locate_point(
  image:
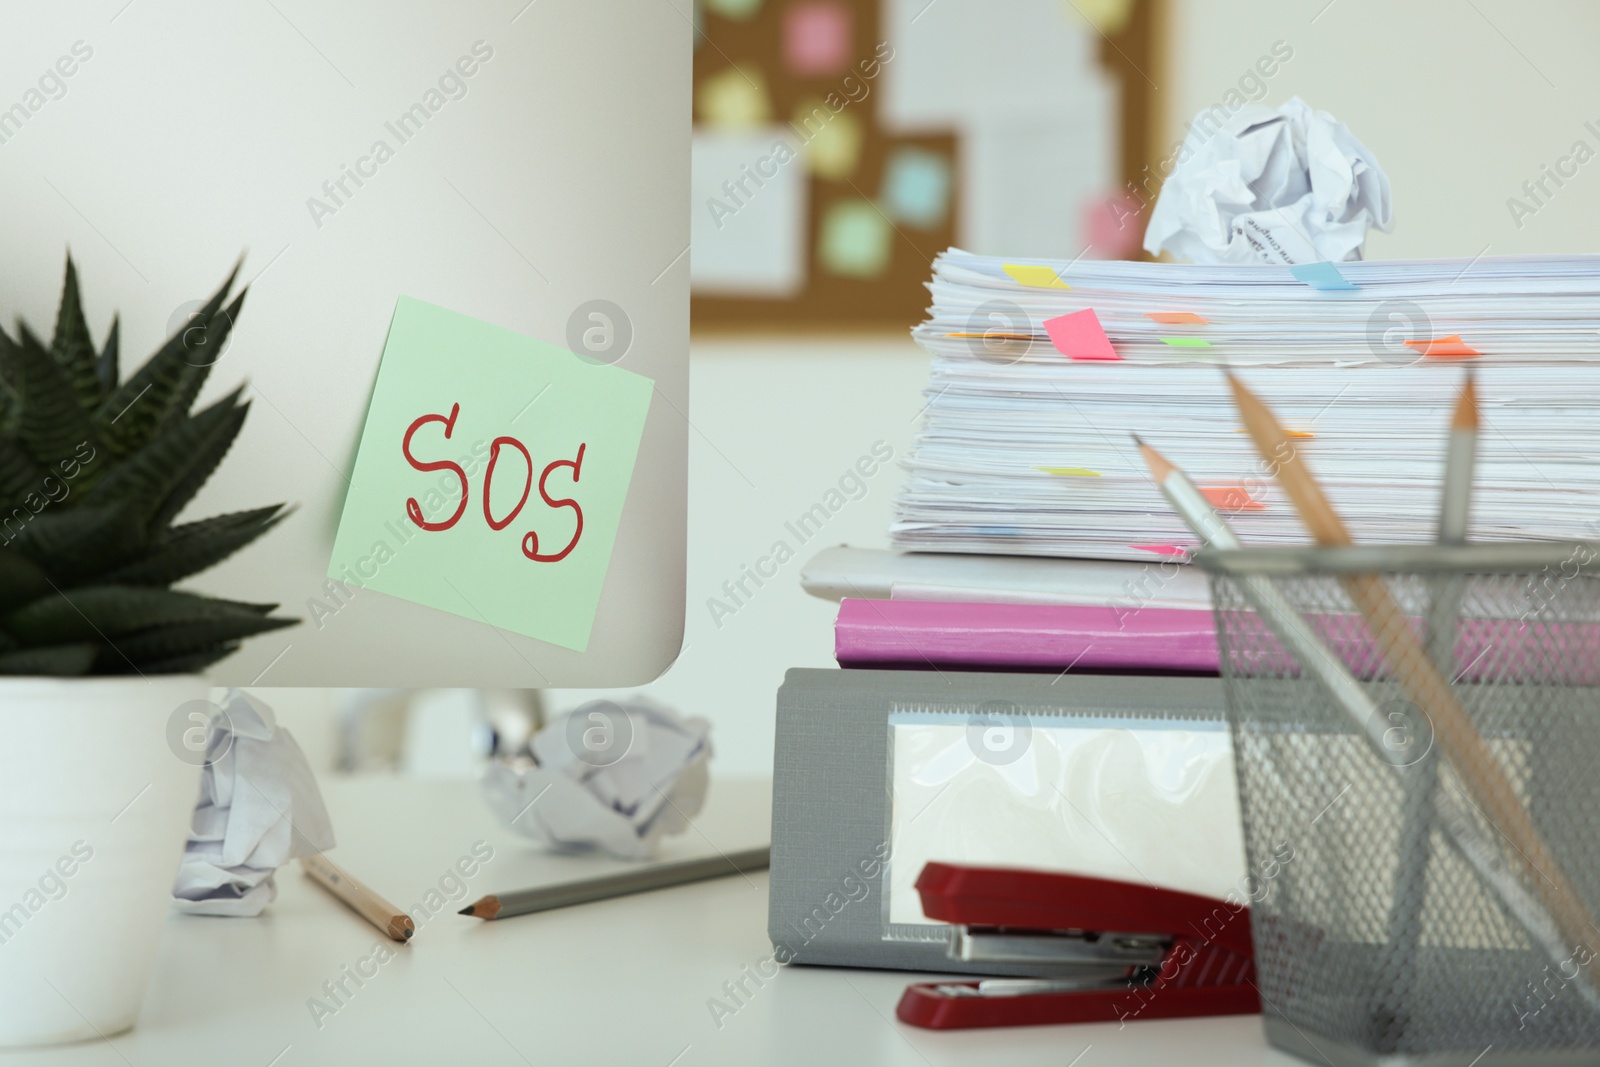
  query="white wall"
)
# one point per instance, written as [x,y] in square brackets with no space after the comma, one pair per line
[1460,102]
[775,424]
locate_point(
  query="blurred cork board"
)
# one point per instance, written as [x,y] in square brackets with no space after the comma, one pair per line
[866,203]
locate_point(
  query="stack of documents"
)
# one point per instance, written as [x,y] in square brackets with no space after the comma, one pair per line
[1026,449]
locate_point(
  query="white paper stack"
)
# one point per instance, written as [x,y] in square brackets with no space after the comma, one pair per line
[1334,364]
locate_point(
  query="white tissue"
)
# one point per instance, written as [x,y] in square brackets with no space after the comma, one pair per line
[259,808]
[643,778]
[1286,186]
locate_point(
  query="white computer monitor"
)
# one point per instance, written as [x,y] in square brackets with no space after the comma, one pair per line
[544,166]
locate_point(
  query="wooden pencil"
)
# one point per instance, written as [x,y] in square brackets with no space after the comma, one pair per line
[1461,454]
[1458,739]
[1480,852]
[605,886]
[395,924]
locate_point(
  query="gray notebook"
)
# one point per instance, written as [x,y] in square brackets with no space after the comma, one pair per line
[838,896]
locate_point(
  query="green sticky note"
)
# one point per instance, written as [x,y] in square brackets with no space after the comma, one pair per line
[1187,342]
[541,443]
[855,239]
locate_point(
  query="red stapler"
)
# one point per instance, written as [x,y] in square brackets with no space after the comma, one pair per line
[1114,951]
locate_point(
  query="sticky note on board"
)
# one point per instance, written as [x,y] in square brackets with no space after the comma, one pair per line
[1451,347]
[1176,318]
[1231,498]
[1038,277]
[458,400]
[1321,276]
[916,187]
[738,10]
[1108,17]
[831,142]
[816,38]
[735,98]
[855,240]
[1080,336]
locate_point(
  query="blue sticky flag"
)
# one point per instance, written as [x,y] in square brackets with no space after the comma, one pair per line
[1321,276]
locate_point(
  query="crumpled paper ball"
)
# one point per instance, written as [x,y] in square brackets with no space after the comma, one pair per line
[608,776]
[1287,186]
[259,808]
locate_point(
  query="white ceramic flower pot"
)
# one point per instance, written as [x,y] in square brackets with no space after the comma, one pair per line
[94,811]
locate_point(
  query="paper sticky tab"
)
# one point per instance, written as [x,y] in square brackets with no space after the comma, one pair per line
[1450,347]
[1038,277]
[736,98]
[1297,434]
[739,10]
[833,151]
[1162,550]
[1176,318]
[855,241]
[916,187]
[816,38]
[995,335]
[1231,498]
[1079,336]
[1186,342]
[1321,276]
[1070,472]
[491,475]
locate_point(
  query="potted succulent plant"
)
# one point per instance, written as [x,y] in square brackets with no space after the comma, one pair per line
[99,655]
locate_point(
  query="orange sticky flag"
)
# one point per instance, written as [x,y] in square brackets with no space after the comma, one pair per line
[1231,498]
[1174,318]
[1301,434]
[1450,347]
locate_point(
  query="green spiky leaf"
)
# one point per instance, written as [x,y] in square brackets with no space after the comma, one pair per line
[19,476]
[108,611]
[10,404]
[167,384]
[106,366]
[74,543]
[93,473]
[52,424]
[185,639]
[65,661]
[21,580]
[191,663]
[72,348]
[165,474]
[195,546]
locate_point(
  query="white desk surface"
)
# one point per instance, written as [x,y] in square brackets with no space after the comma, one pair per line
[623,981]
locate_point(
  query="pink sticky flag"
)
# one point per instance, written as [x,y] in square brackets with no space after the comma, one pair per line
[1162,550]
[1079,336]
[816,38]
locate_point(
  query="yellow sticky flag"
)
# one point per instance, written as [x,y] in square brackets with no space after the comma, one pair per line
[1038,277]
[1070,472]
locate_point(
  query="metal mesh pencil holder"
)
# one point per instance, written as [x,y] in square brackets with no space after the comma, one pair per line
[1398,916]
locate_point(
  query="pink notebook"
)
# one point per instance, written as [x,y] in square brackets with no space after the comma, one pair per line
[924,633]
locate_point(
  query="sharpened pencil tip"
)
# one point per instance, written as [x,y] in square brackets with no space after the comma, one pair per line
[468,910]
[1466,413]
[1160,466]
[1137,440]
